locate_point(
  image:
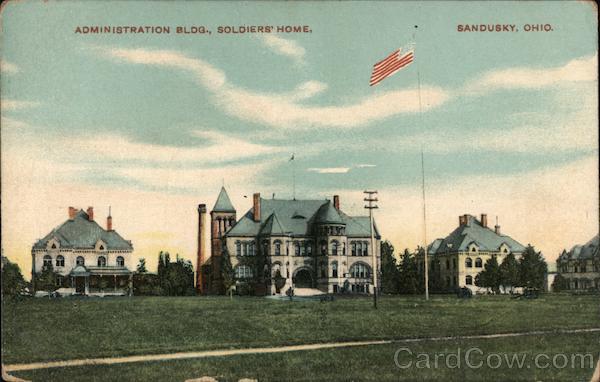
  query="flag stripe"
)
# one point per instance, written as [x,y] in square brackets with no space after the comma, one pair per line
[387,58]
[376,73]
[389,73]
[390,69]
[377,80]
[390,64]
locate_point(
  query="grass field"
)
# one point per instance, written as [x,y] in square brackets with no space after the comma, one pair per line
[44,330]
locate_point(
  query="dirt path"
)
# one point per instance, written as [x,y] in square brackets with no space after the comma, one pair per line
[280,349]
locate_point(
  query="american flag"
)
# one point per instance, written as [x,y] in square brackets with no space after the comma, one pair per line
[390,65]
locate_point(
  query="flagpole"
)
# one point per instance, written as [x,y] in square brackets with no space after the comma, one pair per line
[425,257]
[292,159]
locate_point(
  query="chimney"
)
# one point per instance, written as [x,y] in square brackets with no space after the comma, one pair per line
[256,207]
[90,212]
[484,220]
[72,213]
[466,219]
[201,248]
[109,223]
[497,227]
[336,202]
[462,220]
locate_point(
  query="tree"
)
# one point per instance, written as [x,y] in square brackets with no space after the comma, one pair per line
[227,273]
[560,283]
[408,274]
[390,275]
[141,267]
[433,273]
[532,269]
[46,280]
[175,278]
[13,283]
[490,276]
[509,271]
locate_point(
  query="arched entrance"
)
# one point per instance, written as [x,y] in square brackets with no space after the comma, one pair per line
[303,279]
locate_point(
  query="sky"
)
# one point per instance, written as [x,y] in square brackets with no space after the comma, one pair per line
[154,124]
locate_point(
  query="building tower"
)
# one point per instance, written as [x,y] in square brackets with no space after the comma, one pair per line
[222,218]
[201,248]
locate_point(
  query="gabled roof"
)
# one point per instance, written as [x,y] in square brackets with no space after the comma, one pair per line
[585,251]
[485,238]
[273,226]
[298,218]
[223,203]
[81,233]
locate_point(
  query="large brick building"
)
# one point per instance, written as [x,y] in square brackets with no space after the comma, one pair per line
[306,243]
[87,257]
[581,266]
[461,255]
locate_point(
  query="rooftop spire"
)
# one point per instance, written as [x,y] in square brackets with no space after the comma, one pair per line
[223,203]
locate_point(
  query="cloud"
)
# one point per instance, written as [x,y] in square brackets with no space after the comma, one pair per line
[329,170]
[217,148]
[11,104]
[583,69]
[285,110]
[8,68]
[284,47]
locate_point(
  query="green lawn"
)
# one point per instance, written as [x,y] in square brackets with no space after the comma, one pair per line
[369,363]
[44,330]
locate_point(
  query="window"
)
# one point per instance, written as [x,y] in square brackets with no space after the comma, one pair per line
[238,248]
[478,262]
[80,261]
[469,280]
[60,261]
[297,248]
[47,261]
[335,288]
[323,248]
[454,263]
[120,261]
[473,249]
[447,263]
[334,270]
[360,270]
[101,261]
[102,248]
[353,248]
[251,245]
[365,249]
[245,249]
[277,248]
[243,272]
[334,248]
[53,246]
[468,262]
[308,248]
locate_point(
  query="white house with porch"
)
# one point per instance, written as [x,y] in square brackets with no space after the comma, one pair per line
[88,258]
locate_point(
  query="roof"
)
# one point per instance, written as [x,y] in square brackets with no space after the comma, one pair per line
[223,203]
[473,231]
[81,233]
[328,214]
[586,251]
[297,218]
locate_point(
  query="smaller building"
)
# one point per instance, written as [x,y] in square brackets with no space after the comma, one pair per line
[460,256]
[581,266]
[87,258]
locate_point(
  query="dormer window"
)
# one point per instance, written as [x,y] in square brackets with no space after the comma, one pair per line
[102,248]
[53,246]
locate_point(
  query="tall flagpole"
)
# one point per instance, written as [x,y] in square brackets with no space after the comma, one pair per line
[292,159]
[425,257]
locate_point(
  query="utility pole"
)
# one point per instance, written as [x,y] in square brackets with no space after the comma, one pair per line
[371,199]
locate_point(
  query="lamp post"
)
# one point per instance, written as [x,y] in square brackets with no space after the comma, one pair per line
[371,199]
